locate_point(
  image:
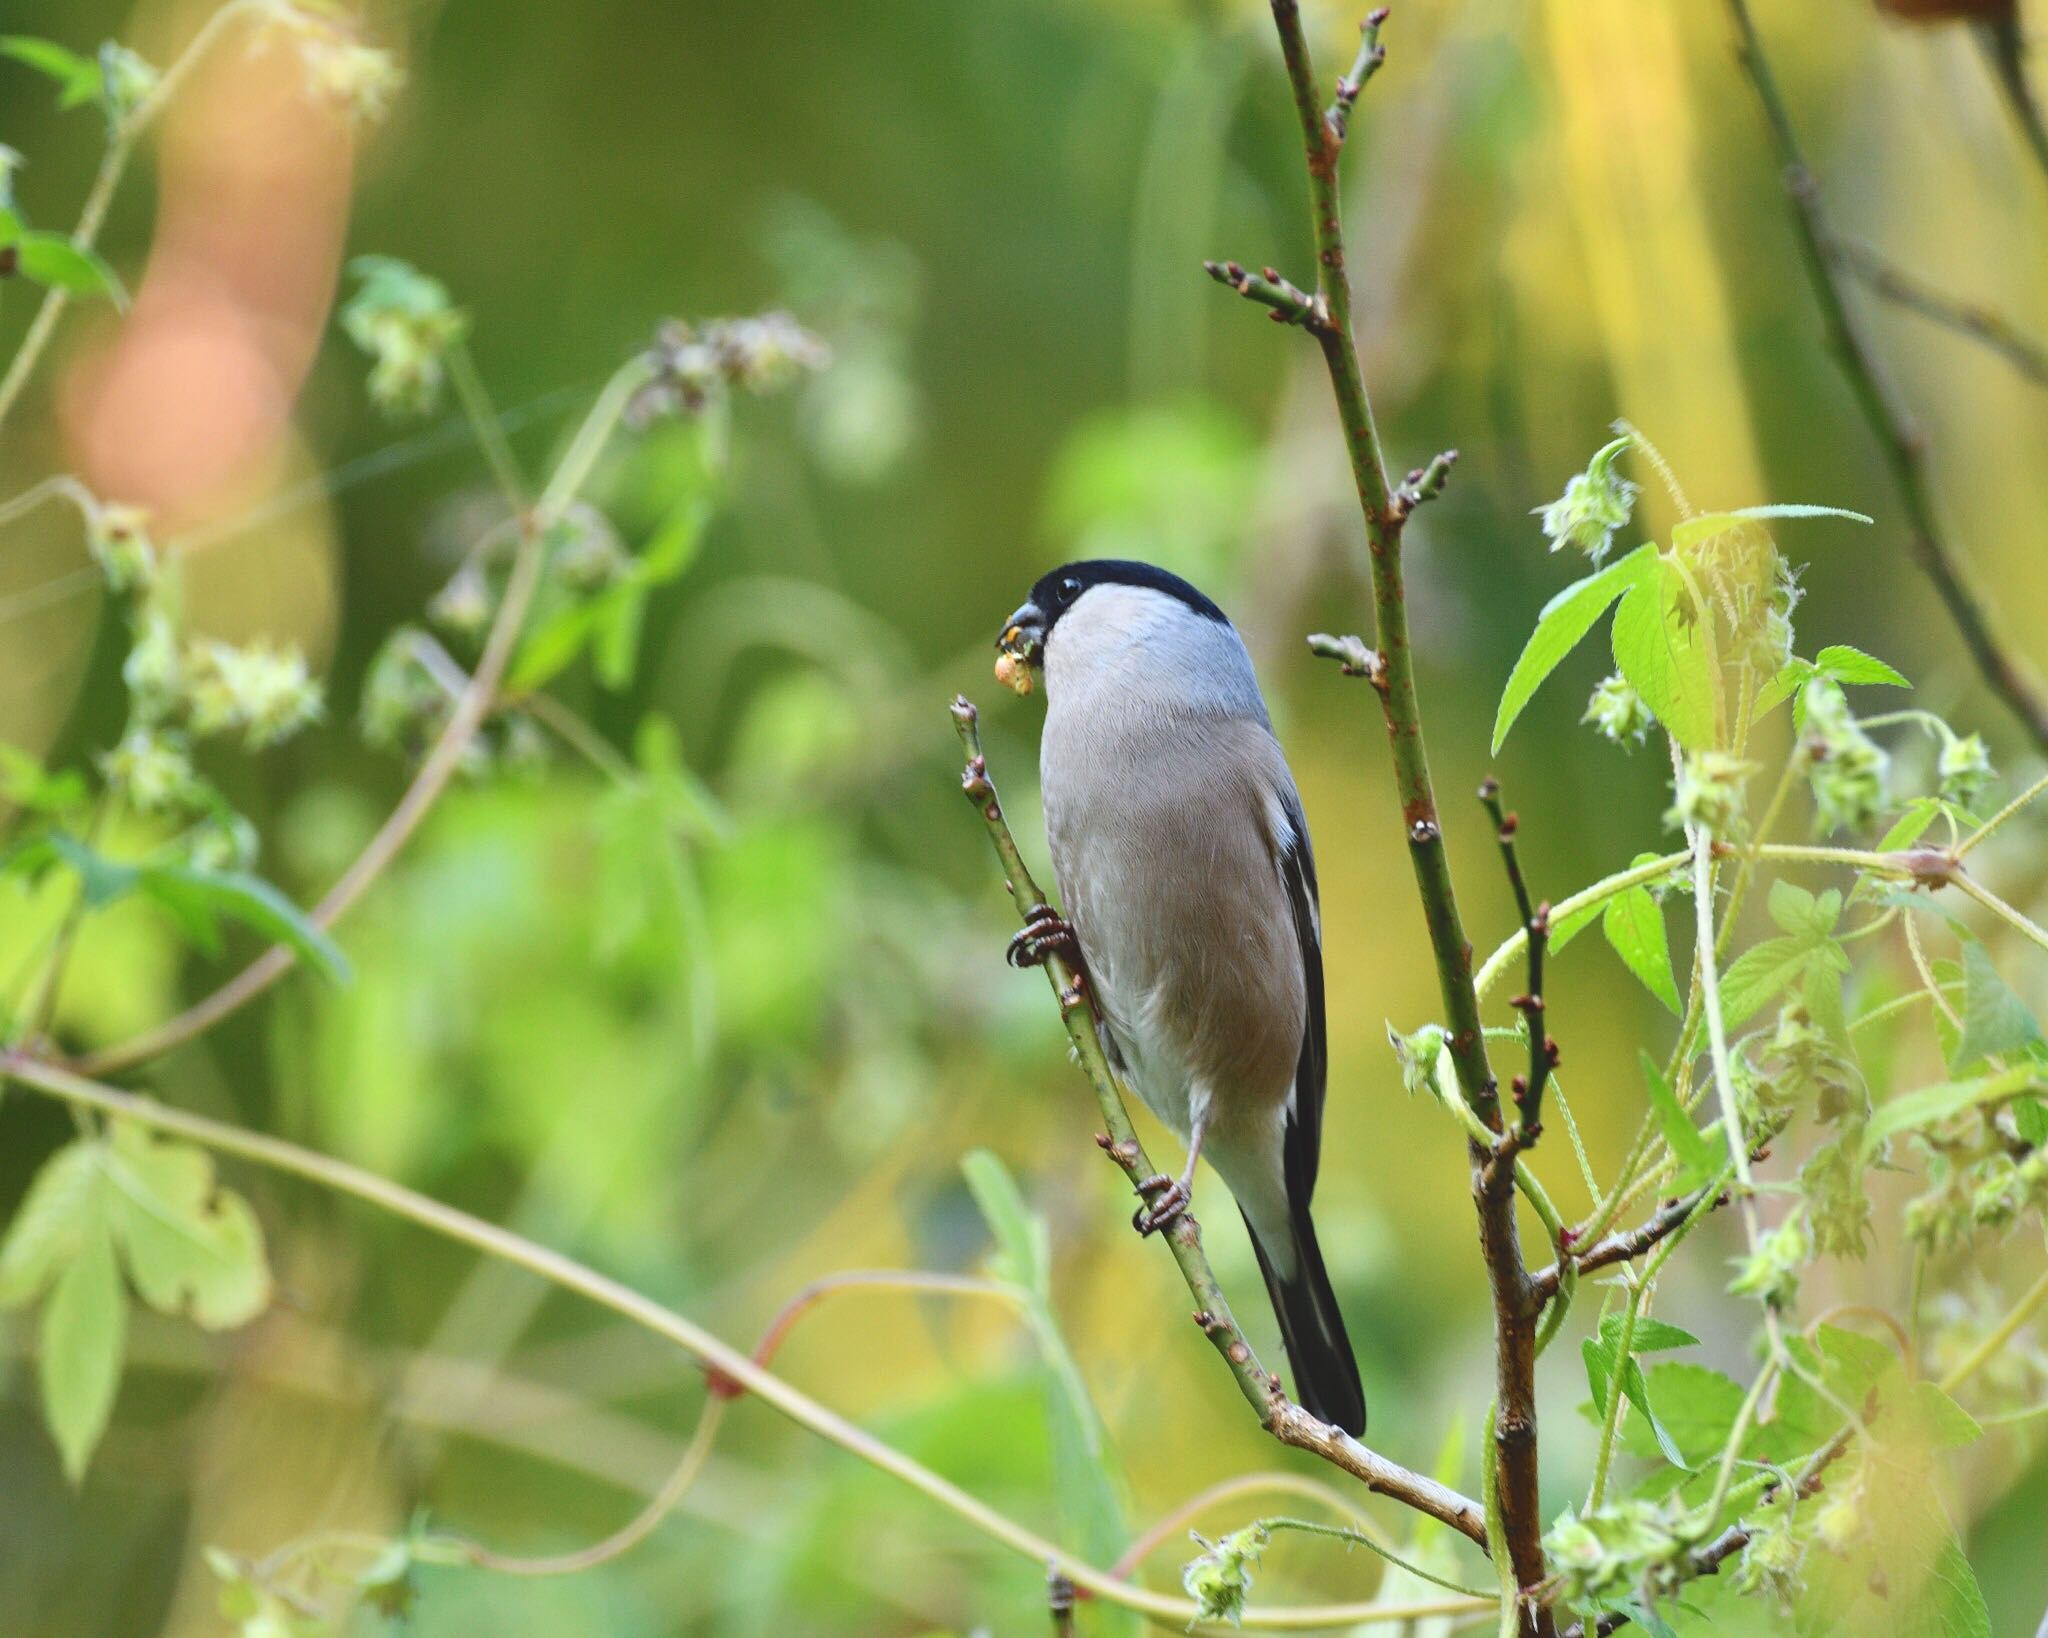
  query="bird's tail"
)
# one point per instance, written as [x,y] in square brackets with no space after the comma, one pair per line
[1325,1372]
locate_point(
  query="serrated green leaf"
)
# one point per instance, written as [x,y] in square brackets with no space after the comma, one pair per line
[1803,914]
[1660,647]
[1792,676]
[1759,976]
[1995,1020]
[84,1328]
[52,259]
[1936,1103]
[196,897]
[1911,825]
[61,1204]
[1634,925]
[1852,665]
[1602,1354]
[1695,530]
[1697,1407]
[1944,1423]
[1699,1160]
[191,1248]
[1564,621]
[78,78]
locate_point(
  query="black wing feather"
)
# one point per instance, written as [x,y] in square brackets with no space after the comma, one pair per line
[1304,1142]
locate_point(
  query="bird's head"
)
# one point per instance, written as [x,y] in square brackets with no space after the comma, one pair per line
[1099,607]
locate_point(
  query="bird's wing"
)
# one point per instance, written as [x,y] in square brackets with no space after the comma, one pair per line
[1304,1140]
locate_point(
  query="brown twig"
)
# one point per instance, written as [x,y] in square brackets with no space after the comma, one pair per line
[1903,445]
[1385,511]
[1286,1421]
[1624,1245]
[1528,1089]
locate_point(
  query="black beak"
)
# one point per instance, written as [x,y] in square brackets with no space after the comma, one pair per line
[1024,634]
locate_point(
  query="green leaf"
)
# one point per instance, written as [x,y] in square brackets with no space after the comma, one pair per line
[1995,1020]
[1602,1355]
[1938,1418]
[1696,1406]
[1911,825]
[1792,676]
[11,225]
[1695,530]
[78,78]
[1759,976]
[1565,619]
[190,1247]
[26,784]
[1852,665]
[1699,1160]
[1803,914]
[2030,1118]
[61,1204]
[52,259]
[1660,647]
[1087,1476]
[196,896]
[1023,1253]
[551,646]
[84,1326]
[1936,1103]
[100,880]
[1634,925]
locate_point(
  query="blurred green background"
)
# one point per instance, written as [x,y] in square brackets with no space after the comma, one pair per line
[721,1085]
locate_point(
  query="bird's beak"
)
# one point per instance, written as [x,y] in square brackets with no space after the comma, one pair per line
[1023,635]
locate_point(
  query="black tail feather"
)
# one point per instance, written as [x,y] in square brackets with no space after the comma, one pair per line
[1311,1328]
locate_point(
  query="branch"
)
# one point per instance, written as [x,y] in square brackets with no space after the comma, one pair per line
[1385,512]
[1916,295]
[1528,1089]
[1290,303]
[1902,444]
[1708,1560]
[570,1275]
[1626,1245]
[1371,56]
[1287,1422]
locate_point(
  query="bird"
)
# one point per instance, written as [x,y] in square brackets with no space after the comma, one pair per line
[1187,889]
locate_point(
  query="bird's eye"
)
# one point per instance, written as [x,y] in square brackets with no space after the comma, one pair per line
[1069,588]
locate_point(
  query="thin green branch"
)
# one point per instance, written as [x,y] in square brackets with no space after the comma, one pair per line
[1514,1466]
[2001,817]
[1365,1539]
[1902,444]
[1998,907]
[487,424]
[1965,318]
[570,1275]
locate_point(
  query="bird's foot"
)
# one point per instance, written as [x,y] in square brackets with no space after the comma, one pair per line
[1166,1199]
[1043,935]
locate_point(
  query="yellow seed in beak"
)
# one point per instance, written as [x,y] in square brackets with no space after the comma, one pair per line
[1013,673]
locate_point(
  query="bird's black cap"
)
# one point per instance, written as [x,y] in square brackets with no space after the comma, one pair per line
[1058,591]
